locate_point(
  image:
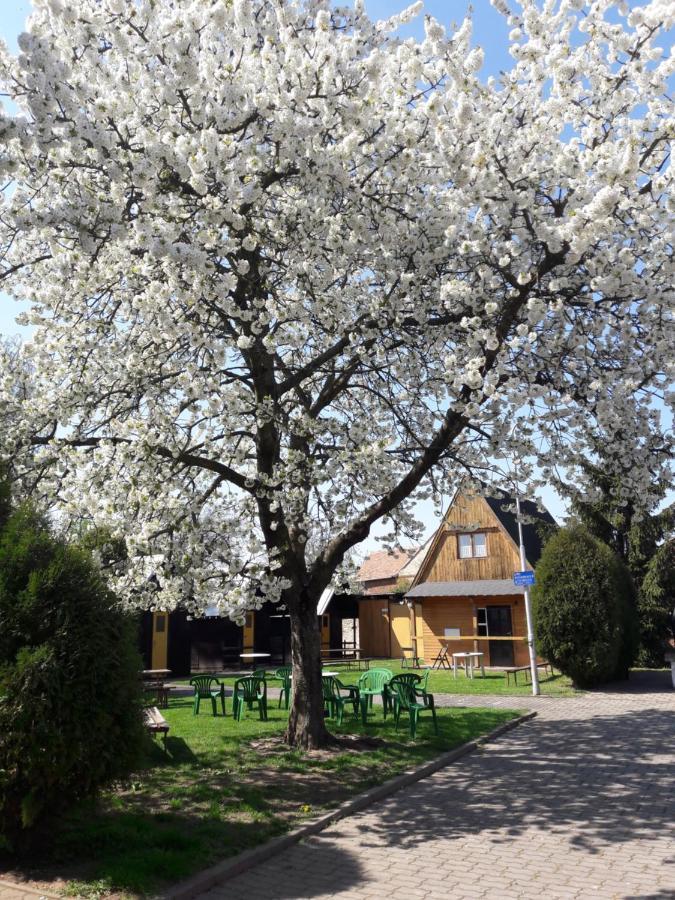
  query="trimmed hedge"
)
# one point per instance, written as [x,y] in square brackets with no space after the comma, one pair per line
[70,706]
[584,608]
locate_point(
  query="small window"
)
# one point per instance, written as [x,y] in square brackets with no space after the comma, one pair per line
[452,632]
[481,621]
[465,547]
[472,545]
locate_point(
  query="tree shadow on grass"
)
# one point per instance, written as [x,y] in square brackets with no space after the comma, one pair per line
[136,853]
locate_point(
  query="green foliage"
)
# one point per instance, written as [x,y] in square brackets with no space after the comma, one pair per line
[635,541]
[224,787]
[656,607]
[70,715]
[584,608]
[5,499]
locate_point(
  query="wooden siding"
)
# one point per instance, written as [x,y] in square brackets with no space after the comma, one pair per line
[469,514]
[374,638]
[399,617]
[460,612]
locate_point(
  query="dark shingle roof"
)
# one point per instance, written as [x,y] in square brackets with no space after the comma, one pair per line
[541,521]
[488,587]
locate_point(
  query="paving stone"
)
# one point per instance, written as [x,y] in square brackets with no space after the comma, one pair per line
[577,803]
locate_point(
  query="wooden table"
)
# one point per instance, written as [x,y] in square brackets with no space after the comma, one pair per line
[470,660]
[153,680]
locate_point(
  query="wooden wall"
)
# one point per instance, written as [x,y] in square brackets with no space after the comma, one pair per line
[440,613]
[443,562]
[374,635]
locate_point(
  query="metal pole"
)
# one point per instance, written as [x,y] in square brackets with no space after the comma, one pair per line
[528,608]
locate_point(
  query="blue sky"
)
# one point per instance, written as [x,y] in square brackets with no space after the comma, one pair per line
[490,32]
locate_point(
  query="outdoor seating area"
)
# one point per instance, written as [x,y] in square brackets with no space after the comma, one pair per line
[249,693]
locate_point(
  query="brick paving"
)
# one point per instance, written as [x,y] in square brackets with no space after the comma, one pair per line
[14,891]
[577,803]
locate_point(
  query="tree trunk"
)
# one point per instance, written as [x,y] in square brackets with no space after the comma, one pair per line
[306,724]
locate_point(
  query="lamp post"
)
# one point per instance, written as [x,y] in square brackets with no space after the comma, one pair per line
[528,606]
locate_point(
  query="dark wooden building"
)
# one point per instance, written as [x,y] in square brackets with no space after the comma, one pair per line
[212,643]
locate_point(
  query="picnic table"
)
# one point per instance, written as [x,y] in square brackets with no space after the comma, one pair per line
[471,660]
[352,662]
[352,651]
[153,685]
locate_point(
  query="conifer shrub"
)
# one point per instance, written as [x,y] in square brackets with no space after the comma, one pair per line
[70,707]
[656,606]
[584,608]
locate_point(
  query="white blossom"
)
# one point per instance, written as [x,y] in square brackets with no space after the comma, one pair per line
[286,271]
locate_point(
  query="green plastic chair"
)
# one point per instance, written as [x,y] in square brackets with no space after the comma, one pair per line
[405,698]
[249,692]
[371,683]
[333,699]
[417,682]
[203,690]
[261,675]
[283,675]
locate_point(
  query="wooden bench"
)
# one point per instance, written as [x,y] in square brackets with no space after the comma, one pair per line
[155,722]
[513,670]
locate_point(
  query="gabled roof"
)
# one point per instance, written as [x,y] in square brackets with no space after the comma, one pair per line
[384,564]
[505,510]
[412,567]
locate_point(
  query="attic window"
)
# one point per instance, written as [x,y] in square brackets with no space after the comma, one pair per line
[472,545]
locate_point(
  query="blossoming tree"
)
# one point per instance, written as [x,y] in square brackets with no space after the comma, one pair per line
[283,265]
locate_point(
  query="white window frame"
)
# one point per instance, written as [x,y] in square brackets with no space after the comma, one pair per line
[472,545]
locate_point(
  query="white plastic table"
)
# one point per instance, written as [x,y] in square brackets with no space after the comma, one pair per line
[255,655]
[471,661]
[324,674]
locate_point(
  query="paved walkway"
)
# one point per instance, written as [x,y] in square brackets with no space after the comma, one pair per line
[579,802]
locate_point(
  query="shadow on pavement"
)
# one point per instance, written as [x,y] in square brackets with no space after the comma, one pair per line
[594,782]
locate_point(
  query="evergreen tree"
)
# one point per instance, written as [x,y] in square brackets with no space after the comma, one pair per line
[70,710]
[656,606]
[584,608]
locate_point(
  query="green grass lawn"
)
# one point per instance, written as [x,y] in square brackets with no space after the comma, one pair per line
[223,787]
[441,681]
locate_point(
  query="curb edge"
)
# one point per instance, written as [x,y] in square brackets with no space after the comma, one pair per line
[231,868]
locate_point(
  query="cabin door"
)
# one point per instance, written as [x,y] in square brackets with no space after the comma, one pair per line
[499,625]
[159,640]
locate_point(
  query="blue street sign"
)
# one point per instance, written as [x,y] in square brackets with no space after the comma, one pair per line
[523,578]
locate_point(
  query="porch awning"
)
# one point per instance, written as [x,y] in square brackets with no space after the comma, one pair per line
[493,587]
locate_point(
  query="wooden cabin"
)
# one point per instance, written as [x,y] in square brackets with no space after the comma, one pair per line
[461,591]
[213,643]
[380,604]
